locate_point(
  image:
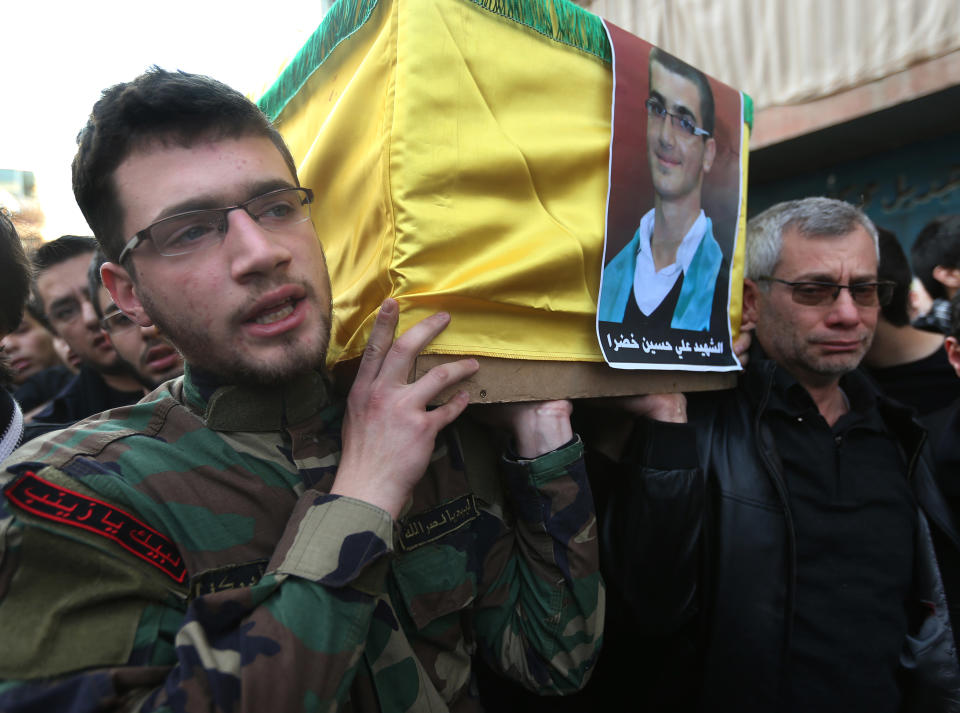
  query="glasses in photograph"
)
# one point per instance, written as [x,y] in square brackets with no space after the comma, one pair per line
[683,122]
[814,294]
[197,229]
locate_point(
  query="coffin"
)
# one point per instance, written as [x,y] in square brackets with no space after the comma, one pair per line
[459,153]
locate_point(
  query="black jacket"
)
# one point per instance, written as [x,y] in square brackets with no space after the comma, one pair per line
[84,395]
[41,387]
[699,550]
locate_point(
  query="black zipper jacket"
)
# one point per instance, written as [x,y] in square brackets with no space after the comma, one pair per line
[700,557]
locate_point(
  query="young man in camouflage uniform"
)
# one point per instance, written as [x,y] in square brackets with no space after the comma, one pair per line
[241,539]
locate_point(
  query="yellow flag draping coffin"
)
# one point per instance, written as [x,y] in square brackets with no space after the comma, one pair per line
[459,152]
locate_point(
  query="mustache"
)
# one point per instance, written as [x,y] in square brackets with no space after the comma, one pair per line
[241,312]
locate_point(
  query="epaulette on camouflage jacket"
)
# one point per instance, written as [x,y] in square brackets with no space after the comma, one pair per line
[184,554]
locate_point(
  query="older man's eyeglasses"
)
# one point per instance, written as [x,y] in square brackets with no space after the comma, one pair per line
[683,122]
[187,232]
[815,294]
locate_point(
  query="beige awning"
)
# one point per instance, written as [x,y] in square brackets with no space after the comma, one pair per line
[807,64]
[790,52]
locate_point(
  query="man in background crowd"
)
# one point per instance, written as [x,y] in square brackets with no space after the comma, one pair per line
[936,262]
[62,293]
[151,357]
[944,429]
[38,372]
[908,364]
[30,348]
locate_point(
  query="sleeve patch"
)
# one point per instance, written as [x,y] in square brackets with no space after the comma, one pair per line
[229,577]
[434,524]
[51,502]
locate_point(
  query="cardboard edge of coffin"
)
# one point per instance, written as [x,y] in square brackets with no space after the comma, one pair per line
[507,380]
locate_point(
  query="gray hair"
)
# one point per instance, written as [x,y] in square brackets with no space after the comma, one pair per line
[811,217]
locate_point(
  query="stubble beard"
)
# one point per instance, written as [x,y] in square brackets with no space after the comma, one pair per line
[116,367]
[231,365]
[832,368]
[800,356]
[836,367]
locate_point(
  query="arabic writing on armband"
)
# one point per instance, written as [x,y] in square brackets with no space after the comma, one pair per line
[234,576]
[51,502]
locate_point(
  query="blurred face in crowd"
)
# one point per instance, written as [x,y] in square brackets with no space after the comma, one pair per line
[64,291]
[149,354]
[66,354]
[30,349]
[816,344]
[252,308]
[677,158]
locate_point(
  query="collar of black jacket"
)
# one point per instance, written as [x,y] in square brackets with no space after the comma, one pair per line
[763,375]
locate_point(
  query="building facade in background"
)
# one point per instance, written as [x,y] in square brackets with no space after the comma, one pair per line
[854,100]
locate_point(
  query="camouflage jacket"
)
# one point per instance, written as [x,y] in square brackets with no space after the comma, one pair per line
[184,554]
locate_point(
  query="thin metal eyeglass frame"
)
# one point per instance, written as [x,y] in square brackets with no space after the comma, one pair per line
[654,108]
[145,234]
[882,298]
[113,316]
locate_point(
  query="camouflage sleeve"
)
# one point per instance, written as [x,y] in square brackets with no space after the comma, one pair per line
[540,617]
[93,632]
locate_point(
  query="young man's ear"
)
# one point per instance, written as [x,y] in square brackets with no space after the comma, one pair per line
[751,296]
[124,292]
[953,353]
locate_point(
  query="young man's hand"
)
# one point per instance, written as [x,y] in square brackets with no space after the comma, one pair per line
[388,433]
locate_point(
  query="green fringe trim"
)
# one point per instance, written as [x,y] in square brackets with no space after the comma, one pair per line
[340,22]
[560,20]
